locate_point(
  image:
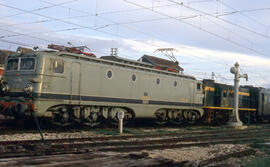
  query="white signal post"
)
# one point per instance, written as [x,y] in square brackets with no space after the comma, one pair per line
[120,116]
[234,116]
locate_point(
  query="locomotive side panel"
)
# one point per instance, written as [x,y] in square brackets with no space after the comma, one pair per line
[264,103]
[135,87]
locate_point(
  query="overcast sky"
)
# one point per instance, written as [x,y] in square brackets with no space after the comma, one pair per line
[209,35]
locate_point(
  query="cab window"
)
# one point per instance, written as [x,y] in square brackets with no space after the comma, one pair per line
[198,86]
[27,64]
[58,66]
[12,64]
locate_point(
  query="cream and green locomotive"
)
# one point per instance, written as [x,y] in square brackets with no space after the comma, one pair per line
[66,87]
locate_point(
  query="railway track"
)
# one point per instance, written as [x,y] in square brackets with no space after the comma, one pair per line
[130,143]
[119,160]
[192,136]
[93,151]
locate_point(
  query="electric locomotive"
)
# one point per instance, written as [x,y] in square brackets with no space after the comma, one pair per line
[69,86]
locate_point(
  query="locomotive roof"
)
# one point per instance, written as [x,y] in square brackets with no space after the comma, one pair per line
[210,82]
[122,63]
[124,60]
[159,61]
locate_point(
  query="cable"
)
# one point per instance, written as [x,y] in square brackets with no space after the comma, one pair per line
[226,21]
[44,32]
[67,22]
[133,22]
[16,43]
[42,8]
[28,35]
[126,10]
[201,29]
[81,26]
[42,21]
[198,11]
[266,26]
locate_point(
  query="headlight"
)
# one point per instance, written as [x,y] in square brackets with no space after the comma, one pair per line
[4,88]
[28,88]
[19,50]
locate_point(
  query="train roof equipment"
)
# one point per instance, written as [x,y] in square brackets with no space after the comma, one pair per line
[73,49]
[162,64]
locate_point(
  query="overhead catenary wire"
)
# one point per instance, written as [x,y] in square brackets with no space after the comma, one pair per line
[118,23]
[224,28]
[41,8]
[69,22]
[111,33]
[125,10]
[241,13]
[70,29]
[28,35]
[130,10]
[17,43]
[224,20]
[76,24]
[201,29]
[64,21]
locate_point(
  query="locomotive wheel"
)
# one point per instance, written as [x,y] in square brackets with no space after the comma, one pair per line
[177,118]
[112,116]
[161,117]
[191,117]
[63,117]
[93,119]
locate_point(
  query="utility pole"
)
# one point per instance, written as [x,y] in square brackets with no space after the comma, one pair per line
[213,76]
[114,51]
[234,116]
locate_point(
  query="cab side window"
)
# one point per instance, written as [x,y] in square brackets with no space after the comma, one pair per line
[198,86]
[58,66]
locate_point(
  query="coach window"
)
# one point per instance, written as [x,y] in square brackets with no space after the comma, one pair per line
[58,66]
[133,77]
[158,81]
[109,74]
[198,86]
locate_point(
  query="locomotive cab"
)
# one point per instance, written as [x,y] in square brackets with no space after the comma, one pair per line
[19,84]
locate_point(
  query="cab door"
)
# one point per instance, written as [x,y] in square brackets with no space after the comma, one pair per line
[75,80]
[266,103]
[191,93]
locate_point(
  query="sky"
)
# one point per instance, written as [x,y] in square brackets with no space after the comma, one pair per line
[209,35]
